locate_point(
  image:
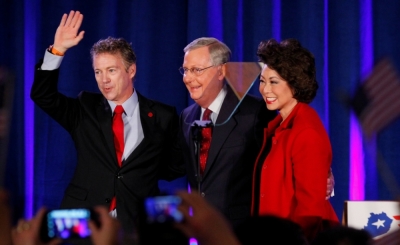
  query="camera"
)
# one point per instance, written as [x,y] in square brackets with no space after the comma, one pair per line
[157,220]
[67,224]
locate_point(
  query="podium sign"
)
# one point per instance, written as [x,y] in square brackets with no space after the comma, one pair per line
[379,218]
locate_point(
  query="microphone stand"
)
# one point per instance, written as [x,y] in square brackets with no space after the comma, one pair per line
[197,127]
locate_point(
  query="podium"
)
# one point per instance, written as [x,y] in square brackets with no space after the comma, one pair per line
[379,218]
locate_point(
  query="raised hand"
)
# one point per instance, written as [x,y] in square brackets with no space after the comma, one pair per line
[67,32]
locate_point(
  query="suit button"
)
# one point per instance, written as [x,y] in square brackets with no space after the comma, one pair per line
[119,176]
[203,194]
[108,200]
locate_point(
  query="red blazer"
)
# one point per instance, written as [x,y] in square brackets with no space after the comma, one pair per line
[292,178]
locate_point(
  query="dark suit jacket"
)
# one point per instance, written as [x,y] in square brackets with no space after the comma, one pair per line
[97,177]
[227,179]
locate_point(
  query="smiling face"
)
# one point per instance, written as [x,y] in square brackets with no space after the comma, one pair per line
[113,79]
[276,92]
[204,88]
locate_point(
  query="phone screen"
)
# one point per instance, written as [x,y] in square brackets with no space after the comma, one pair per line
[67,224]
[157,221]
[163,209]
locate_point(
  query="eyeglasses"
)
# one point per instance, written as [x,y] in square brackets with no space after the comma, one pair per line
[194,70]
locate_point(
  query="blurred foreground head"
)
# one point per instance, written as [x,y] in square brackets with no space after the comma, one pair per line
[343,235]
[270,230]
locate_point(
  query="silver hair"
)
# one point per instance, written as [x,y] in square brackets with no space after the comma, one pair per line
[219,52]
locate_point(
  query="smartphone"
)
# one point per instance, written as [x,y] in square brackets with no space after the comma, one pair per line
[163,209]
[157,221]
[67,224]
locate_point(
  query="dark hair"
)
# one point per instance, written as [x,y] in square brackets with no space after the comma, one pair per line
[343,235]
[271,229]
[113,45]
[293,63]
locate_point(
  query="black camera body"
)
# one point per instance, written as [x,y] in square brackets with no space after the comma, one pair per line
[67,224]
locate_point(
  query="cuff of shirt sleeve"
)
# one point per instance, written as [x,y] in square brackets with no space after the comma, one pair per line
[51,61]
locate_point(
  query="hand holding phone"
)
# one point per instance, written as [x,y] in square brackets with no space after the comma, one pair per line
[163,209]
[28,231]
[109,231]
[158,220]
[67,224]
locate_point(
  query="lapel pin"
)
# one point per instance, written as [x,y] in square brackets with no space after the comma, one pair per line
[150,114]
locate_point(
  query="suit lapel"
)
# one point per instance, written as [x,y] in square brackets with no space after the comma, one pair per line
[104,115]
[147,118]
[221,132]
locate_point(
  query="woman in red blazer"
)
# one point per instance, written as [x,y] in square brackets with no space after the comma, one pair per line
[293,165]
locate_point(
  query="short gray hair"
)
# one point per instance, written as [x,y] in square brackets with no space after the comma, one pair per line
[219,52]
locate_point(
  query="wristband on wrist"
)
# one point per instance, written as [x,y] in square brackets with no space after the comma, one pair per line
[54,51]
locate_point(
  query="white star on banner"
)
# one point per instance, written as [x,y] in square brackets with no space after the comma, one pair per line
[379,223]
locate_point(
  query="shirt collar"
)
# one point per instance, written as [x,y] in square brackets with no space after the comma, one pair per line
[215,106]
[129,105]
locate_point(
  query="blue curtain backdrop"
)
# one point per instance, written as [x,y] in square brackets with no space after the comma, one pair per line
[346,37]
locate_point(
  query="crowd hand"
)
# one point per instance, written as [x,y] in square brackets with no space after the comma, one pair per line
[3,122]
[5,218]
[330,185]
[67,32]
[27,231]
[108,232]
[206,224]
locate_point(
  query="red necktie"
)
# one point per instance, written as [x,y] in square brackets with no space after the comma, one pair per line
[118,132]
[205,141]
